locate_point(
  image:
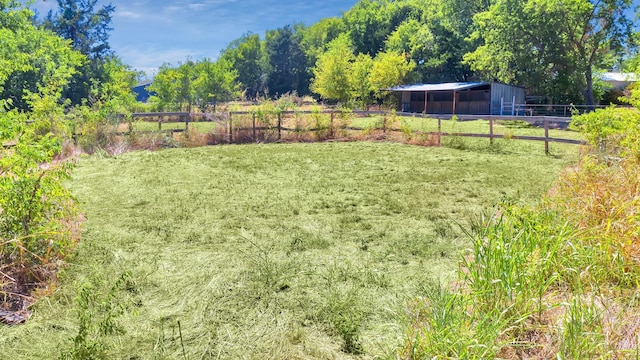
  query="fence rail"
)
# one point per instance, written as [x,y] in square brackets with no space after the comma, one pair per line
[234,126]
[235,123]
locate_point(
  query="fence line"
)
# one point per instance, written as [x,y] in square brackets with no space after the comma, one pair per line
[232,134]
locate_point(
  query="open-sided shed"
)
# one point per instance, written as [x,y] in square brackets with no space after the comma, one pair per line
[464,98]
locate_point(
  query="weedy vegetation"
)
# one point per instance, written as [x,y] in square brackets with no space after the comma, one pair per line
[554,280]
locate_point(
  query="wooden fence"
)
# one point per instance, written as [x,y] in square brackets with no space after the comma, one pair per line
[249,124]
[230,127]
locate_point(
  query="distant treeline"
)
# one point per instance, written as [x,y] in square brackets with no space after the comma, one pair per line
[551,48]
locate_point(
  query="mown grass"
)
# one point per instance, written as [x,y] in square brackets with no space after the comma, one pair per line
[501,127]
[202,126]
[267,251]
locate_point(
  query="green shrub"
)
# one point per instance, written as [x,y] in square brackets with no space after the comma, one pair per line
[36,210]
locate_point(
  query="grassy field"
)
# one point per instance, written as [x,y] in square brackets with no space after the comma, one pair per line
[268,251]
[502,127]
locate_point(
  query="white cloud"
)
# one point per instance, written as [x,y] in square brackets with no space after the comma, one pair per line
[128,14]
[197,6]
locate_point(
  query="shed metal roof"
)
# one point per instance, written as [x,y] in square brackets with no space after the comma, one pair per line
[438,87]
[617,76]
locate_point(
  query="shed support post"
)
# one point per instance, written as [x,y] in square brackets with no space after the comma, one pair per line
[425,103]
[454,102]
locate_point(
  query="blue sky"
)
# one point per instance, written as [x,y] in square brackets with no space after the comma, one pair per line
[148,33]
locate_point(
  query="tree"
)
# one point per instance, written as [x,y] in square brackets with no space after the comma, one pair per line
[173,86]
[247,57]
[288,66]
[360,80]
[551,47]
[315,38]
[417,41]
[113,95]
[88,30]
[35,64]
[332,73]
[369,22]
[214,82]
[165,88]
[593,31]
[390,69]
[194,83]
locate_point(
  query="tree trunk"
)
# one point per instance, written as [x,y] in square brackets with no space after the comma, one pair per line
[588,92]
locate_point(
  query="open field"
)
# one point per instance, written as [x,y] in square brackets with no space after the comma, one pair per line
[269,251]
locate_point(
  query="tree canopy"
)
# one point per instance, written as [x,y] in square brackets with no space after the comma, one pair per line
[551,48]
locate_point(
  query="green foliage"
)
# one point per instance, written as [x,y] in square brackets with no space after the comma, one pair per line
[316,37]
[35,64]
[550,47]
[215,82]
[197,83]
[614,131]
[332,72]
[360,82]
[87,28]
[33,202]
[349,79]
[246,55]
[287,62]
[389,69]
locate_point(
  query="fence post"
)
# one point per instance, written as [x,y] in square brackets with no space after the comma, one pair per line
[159,123]
[439,130]
[186,125]
[490,130]
[331,129]
[384,123]
[230,127]
[546,135]
[279,125]
[253,125]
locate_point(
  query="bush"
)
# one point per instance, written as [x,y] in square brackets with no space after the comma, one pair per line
[36,210]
